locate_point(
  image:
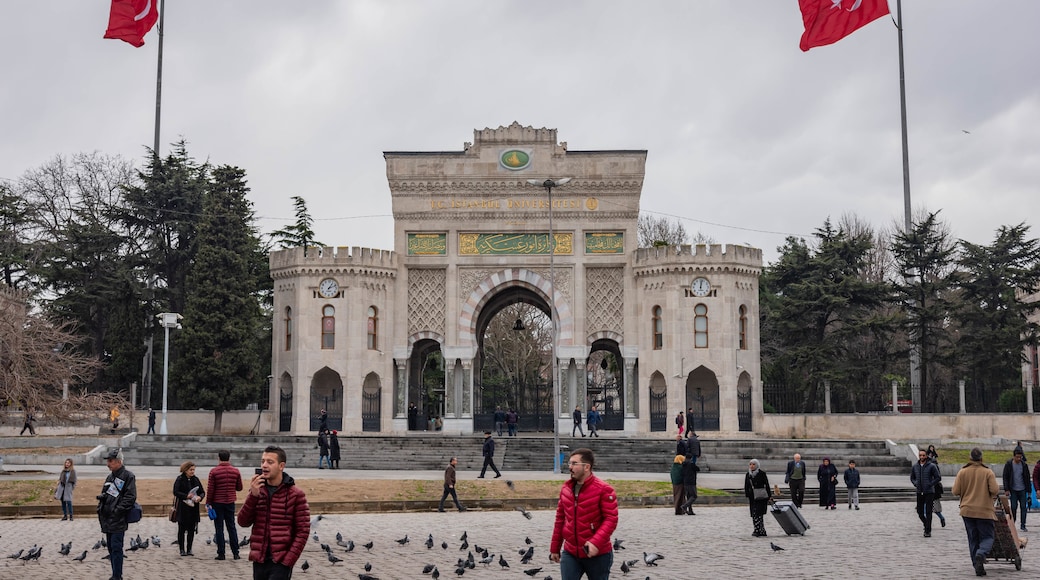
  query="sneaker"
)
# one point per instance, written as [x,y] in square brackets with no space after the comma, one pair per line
[980,565]
[927,534]
[857,507]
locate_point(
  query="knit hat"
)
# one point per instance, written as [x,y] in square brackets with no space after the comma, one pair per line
[1018,451]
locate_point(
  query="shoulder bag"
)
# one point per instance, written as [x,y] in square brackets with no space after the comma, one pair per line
[173,512]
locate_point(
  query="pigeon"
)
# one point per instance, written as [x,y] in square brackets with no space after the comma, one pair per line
[464,546]
[428,568]
[339,537]
[349,545]
[775,547]
[502,561]
[444,545]
[244,542]
[315,520]
[97,546]
[527,540]
[403,540]
[326,548]
[333,558]
[366,577]
[617,544]
[305,565]
[18,554]
[314,536]
[368,566]
[65,549]
[436,573]
[81,557]
[486,561]
[209,541]
[464,536]
[527,555]
[156,541]
[460,570]
[368,546]
[521,509]
[510,485]
[532,571]
[478,549]
[104,544]
[429,542]
[651,558]
[625,568]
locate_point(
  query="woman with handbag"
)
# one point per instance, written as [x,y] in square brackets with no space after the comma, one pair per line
[756,489]
[189,493]
[827,475]
[66,484]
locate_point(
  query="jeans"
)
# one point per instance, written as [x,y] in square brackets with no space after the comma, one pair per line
[512,429]
[980,536]
[924,510]
[115,554]
[151,428]
[498,427]
[577,426]
[596,568]
[271,571]
[225,518]
[593,430]
[854,496]
[66,508]
[1019,497]
[324,458]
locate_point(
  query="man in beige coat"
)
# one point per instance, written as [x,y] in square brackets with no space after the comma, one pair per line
[976,485]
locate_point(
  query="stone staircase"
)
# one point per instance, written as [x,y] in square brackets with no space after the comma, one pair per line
[522,453]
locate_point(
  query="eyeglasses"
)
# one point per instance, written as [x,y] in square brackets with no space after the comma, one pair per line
[573,463]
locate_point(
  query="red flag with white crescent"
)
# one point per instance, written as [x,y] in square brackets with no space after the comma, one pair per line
[828,21]
[130,20]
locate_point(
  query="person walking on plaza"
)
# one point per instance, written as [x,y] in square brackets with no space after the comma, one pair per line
[678,491]
[28,424]
[680,445]
[924,477]
[500,420]
[689,479]
[852,482]
[323,449]
[933,456]
[795,479]
[976,485]
[66,485]
[334,450]
[113,416]
[512,422]
[118,494]
[693,447]
[586,516]
[449,486]
[489,456]
[680,420]
[323,421]
[278,512]
[827,475]
[689,421]
[222,487]
[189,493]
[151,421]
[756,490]
[413,417]
[593,419]
[1017,483]
[577,422]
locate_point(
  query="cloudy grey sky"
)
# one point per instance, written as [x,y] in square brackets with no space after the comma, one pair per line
[749,139]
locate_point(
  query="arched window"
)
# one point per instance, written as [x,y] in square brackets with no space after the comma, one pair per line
[743,327]
[658,328]
[700,326]
[373,328]
[328,327]
[288,328]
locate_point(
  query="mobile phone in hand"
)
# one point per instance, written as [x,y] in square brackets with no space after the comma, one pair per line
[259,471]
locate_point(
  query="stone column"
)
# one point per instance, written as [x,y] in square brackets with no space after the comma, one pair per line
[451,403]
[631,394]
[401,384]
[827,397]
[895,397]
[467,388]
[960,387]
[566,389]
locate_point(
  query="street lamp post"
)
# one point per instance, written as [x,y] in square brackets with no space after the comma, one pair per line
[168,320]
[549,184]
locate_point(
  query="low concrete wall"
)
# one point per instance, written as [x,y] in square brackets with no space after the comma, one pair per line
[903,426]
[177,423]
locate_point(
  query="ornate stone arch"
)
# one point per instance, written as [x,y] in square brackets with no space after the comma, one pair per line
[608,335]
[491,285]
[423,335]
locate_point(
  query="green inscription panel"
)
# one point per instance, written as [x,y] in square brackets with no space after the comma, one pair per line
[427,244]
[604,242]
[512,244]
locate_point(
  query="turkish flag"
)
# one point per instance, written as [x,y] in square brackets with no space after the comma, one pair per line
[828,21]
[130,20]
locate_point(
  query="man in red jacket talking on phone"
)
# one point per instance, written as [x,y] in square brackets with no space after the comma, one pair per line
[586,516]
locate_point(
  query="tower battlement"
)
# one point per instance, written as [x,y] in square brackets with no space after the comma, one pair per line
[332,258]
[685,256]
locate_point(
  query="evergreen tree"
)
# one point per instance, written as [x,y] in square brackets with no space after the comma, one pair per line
[993,316]
[299,234]
[220,367]
[15,230]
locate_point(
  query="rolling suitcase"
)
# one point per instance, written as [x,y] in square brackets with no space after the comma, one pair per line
[789,518]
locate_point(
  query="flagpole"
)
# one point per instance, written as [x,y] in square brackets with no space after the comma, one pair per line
[158,82]
[915,346]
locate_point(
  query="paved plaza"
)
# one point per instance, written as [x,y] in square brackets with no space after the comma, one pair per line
[882,540]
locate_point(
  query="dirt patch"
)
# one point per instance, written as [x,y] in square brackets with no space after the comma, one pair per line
[34,493]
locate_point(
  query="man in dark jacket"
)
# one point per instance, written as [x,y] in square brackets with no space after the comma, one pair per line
[489,456]
[924,476]
[689,479]
[449,486]
[222,487]
[118,495]
[334,450]
[1017,482]
[693,447]
[323,450]
[586,516]
[277,509]
[500,420]
[795,479]
[577,422]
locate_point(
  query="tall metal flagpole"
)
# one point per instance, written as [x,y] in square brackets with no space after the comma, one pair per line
[915,346]
[158,82]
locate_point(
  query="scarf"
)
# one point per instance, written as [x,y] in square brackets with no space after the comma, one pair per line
[754,472]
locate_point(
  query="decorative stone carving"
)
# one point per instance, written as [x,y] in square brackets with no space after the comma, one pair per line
[605,299]
[426,299]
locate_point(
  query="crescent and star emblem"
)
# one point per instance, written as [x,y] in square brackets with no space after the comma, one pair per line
[147,9]
[837,4]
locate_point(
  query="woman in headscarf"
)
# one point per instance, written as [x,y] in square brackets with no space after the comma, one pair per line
[189,493]
[66,484]
[827,475]
[756,489]
[678,495]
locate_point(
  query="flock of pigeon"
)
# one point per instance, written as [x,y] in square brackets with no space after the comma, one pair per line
[35,551]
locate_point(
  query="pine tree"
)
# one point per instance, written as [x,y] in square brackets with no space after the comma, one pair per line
[299,234]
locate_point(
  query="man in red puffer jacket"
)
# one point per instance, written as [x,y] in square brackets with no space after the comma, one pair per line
[280,517]
[225,481]
[586,516]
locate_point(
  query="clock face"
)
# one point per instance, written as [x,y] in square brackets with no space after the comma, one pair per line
[328,288]
[700,287]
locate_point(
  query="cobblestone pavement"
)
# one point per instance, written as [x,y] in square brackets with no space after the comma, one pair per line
[879,541]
